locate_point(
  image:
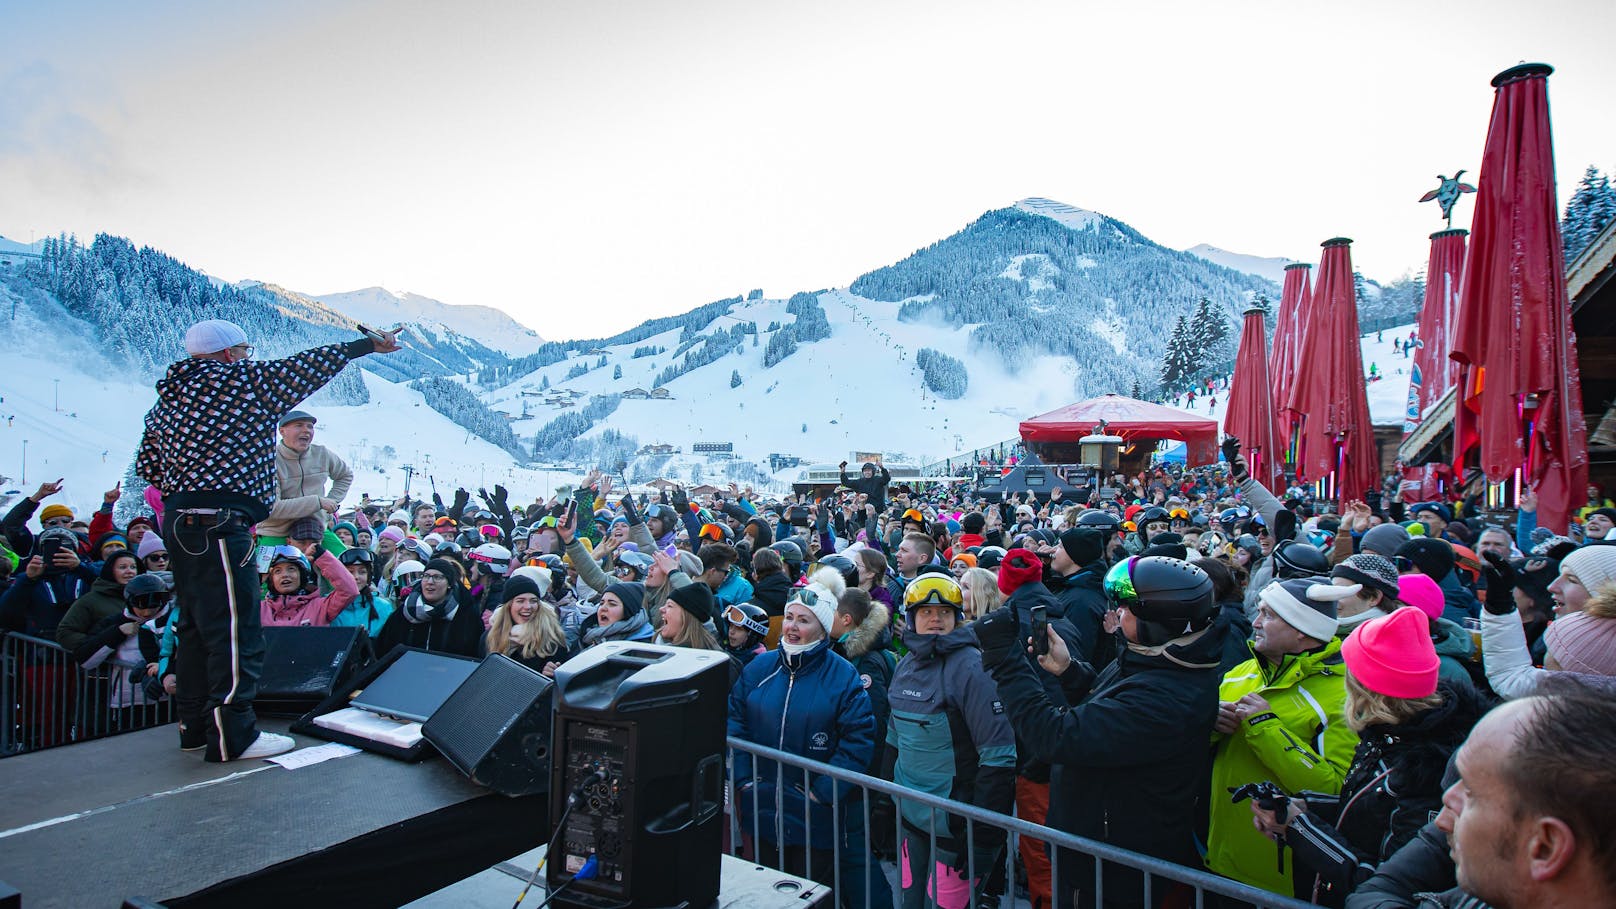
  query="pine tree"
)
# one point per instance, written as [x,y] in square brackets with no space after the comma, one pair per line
[544,383]
[735,378]
[1591,209]
[617,371]
[1178,366]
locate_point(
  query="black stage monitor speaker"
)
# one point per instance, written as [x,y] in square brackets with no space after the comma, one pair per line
[304,665]
[650,720]
[496,727]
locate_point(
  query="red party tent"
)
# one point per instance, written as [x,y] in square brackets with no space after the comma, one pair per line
[1131,419]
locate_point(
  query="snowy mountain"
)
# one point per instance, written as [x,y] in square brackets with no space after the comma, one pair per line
[1027,308]
[1272,268]
[381,308]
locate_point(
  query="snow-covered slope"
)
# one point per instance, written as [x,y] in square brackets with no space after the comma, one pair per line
[1272,268]
[1388,395]
[379,307]
[7,245]
[1069,215]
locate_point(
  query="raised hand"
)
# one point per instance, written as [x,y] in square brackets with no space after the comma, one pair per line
[47,489]
[114,494]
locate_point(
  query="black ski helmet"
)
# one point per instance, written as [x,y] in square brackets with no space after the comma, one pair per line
[1169,597]
[1294,559]
[844,566]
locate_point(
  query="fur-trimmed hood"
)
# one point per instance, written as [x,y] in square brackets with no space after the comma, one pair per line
[872,634]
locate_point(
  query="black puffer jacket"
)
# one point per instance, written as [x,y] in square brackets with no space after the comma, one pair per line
[1123,771]
[1021,603]
[770,592]
[1083,604]
[875,487]
[1392,789]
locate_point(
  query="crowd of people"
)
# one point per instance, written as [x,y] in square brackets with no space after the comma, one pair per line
[1371,706]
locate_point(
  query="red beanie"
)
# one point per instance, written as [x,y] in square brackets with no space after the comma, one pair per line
[1393,655]
[1018,567]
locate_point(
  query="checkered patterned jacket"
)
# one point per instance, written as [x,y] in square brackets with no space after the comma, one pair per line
[210,439]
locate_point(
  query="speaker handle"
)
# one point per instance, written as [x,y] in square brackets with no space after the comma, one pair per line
[705,800]
[702,805]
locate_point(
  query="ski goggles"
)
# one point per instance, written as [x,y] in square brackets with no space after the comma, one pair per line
[1118,584]
[933,590]
[735,616]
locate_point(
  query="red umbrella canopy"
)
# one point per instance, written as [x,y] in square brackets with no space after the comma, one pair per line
[1251,415]
[1522,394]
[1295,300]
[1328,400]
[1435,373]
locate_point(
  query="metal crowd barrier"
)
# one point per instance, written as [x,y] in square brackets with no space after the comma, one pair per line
[1162,880]
[50,700]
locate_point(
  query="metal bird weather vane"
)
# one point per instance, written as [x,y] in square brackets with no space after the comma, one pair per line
[1447,193]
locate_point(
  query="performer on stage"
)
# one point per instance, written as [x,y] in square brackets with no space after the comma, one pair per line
[209,446]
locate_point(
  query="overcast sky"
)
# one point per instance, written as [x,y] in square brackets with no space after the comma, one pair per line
[585,166]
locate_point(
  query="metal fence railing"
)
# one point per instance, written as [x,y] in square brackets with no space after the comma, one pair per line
[51,700]
[853,866]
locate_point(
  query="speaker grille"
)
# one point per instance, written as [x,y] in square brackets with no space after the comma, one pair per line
[488,703]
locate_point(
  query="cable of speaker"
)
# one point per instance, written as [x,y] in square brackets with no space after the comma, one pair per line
[599,776]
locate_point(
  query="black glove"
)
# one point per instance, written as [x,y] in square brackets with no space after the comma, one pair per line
[437,500]
[630,512]
[681,502]
[1237,464]
[502,499]
[999,634]
[461,500]
[1500,584]
[883,838]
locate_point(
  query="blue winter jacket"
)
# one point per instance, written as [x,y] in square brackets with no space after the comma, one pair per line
[811,705]
[735,590]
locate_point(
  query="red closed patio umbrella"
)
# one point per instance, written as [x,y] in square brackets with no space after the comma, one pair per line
[1251,415]
[1520,393]
[1435,373]
[1328,402]
[1295,299]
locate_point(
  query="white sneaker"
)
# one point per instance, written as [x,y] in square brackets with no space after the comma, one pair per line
[268,744]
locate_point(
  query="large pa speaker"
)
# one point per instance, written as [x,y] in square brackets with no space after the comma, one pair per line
[496,727]
[639,733]
[305,665]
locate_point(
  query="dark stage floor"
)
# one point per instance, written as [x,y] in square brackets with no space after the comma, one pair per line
[88,825]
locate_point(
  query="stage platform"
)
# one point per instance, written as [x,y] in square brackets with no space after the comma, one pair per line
[744,886]
[92,824]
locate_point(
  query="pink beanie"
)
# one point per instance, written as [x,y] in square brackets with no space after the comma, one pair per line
[391,533]
[1583,642]
[1419,591]
[1393,655]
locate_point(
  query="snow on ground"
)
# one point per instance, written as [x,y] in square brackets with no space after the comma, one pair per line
[1272,268]
[1388,397]
[1069,215]
[91,436]
[856,390]
[382,308]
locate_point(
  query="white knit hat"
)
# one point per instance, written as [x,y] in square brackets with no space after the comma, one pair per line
[1593,564]
[819,600]
[1307,604]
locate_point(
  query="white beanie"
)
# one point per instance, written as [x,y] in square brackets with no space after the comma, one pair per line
[536,573]
[1594,564]
[1307,604]
[822,605]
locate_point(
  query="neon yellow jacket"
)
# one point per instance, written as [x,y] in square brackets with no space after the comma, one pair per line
[1304,744]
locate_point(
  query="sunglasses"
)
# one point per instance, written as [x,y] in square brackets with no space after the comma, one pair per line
[158,557]
[1404,563]
[59,522]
